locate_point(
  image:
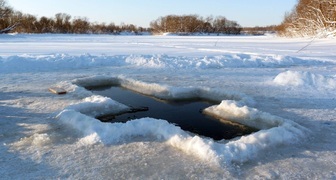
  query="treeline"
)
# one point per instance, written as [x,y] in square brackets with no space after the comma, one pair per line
[60,23]
[310,18]
[63,23]
[16,21]
[189,24]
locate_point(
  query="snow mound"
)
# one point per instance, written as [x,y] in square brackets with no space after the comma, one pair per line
[97,105]
[305,80]
[274,131]
[39,63]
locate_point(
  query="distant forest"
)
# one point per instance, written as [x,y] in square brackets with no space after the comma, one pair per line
[190,24]
[60,23]
[308,18]
[16,21]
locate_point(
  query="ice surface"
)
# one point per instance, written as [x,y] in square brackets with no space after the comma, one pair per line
[260,81]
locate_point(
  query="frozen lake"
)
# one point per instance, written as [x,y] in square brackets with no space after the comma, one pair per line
[264,82]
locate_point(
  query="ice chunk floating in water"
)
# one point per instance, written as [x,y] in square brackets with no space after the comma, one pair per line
[187,114]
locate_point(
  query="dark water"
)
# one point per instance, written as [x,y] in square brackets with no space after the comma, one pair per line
[185,114]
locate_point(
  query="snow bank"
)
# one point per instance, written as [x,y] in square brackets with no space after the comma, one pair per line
[275,130]
[64,61]
[40,63]
[234,111]
[305,80]
[238,60]
[95,131]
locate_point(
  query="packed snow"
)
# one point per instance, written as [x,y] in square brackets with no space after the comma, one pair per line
[265,82]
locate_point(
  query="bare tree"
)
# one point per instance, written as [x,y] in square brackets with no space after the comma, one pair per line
[5,12]
[45,25]
[62,23]
[80,25]
[4,9]
[310,18]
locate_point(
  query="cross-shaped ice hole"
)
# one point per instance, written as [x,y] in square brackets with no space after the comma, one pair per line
[186,114]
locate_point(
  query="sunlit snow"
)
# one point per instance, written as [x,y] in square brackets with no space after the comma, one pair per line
[262,82]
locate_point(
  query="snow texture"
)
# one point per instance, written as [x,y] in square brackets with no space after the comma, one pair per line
[305,80]
[30,63]
[262,82]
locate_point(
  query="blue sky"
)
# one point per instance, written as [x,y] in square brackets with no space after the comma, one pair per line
[141,13]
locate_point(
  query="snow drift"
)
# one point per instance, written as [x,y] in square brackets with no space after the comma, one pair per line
[301,79]
[65,61]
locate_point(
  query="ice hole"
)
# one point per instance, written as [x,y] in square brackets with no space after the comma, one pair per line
[187,114]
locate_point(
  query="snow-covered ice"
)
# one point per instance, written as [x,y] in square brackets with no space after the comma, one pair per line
[263,82]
